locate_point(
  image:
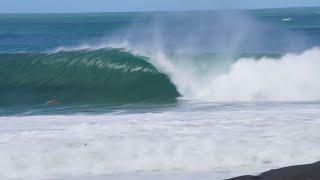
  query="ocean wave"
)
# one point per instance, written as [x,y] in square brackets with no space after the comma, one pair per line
[81,76]
[286,19]
[113,72]
[246,77]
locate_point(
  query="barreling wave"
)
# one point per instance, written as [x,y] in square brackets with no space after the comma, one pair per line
[103,75]
[110,75]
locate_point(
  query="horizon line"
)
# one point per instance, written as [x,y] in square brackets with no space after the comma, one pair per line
[160,11]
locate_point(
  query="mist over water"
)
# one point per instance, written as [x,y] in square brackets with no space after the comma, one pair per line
[223,56]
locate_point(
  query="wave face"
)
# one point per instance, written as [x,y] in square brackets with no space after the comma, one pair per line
[104,75]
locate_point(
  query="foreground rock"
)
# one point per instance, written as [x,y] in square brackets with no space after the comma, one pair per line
[302,172]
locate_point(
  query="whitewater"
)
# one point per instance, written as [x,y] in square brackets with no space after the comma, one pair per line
[164,96]
[218,140]
[293,77]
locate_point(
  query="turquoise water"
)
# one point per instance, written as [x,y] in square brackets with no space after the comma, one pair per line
[162,95]
[108,57]
[40,32]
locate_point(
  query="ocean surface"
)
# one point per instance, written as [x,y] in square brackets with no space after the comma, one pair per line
[158,95]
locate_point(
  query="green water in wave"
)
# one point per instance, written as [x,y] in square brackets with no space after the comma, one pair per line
[100,76]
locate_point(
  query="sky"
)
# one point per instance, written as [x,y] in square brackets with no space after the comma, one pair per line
[64,6]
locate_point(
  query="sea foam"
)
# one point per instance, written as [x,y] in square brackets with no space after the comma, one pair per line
[233,139]
[293,77]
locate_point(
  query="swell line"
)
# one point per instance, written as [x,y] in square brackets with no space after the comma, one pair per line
[81,76]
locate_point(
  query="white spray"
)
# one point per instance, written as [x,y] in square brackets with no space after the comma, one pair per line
[170,44]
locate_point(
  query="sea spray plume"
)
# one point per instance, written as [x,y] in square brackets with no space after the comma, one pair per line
[175,43]
[171,41]
[227,32]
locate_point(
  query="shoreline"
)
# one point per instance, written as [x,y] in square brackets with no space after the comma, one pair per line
[299,172]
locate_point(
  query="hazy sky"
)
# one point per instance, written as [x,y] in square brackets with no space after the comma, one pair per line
[20,6]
